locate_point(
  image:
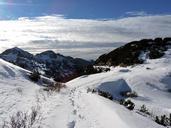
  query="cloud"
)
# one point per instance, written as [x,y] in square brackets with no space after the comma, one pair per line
[137,13]
[86,38]
[28,3]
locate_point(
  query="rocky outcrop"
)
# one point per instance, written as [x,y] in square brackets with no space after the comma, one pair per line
[135,52]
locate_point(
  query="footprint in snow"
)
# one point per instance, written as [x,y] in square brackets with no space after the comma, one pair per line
[71,124]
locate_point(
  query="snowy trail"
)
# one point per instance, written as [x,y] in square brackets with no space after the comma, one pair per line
[93,111]
[79,107]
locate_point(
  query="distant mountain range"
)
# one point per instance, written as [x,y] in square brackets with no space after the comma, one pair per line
[48,63]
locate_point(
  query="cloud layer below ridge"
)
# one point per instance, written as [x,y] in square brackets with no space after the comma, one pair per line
[87,38]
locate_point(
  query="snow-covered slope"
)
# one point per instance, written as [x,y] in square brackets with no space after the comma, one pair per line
[74,107]
[17,92]
[151,81]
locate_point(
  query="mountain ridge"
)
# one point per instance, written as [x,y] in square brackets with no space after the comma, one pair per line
[48,63]
[132,52]
[64,68]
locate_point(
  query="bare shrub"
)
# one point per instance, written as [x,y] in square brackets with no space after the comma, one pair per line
[101,93]
[56,87]
[163,120]
[91,90]
[144,109]
[46,81]
[90,69]
[129,94]
[19,90]
[128,104]
[34,76]
[148,68]
[105,94]
[24,119]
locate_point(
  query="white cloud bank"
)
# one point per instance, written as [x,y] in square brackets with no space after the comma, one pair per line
[137,13]
[80,37]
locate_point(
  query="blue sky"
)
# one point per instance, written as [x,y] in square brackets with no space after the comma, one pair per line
[87,9]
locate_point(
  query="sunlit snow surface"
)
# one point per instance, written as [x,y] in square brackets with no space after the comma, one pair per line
[73,107]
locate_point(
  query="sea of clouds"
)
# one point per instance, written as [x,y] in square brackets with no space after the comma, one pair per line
[86,38]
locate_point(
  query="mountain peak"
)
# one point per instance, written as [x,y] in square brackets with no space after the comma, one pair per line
[15,50]
[48,52]
[11,55]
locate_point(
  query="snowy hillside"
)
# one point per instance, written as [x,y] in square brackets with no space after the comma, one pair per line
[76,107]
[134,52]
[151,81]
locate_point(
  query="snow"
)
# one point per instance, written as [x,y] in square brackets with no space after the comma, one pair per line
[74,107]
[120,86]
[143,56]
